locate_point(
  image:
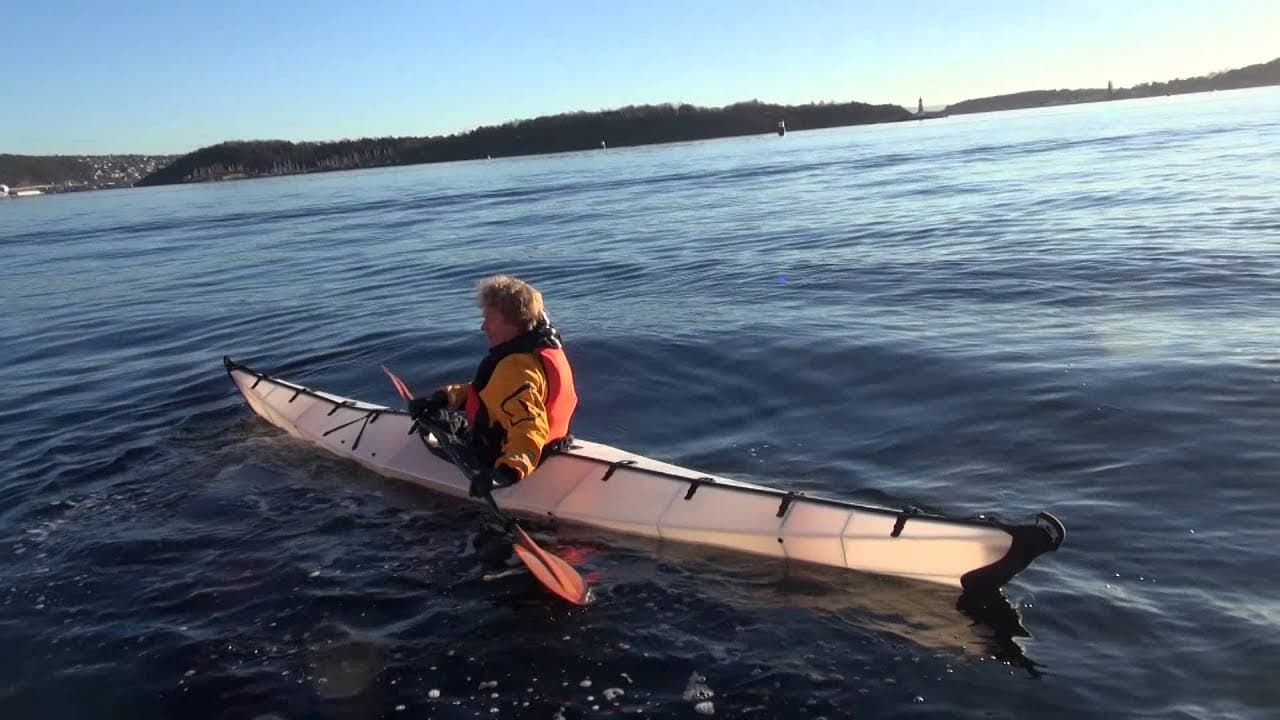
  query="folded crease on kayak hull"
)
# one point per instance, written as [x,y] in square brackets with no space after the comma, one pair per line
[603,487]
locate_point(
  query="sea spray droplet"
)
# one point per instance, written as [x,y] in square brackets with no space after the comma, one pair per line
[433,694]
[705,708]
[612,694]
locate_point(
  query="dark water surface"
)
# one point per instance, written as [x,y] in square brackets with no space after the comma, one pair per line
[1071,309]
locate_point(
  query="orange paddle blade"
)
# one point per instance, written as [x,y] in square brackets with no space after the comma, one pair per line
[557,575]
[400,386]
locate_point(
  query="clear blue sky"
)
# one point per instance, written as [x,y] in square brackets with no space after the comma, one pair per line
[169,77]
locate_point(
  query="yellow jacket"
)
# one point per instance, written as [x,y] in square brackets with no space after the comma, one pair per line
[511,426]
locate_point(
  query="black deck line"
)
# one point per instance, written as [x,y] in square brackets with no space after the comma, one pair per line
[349,423]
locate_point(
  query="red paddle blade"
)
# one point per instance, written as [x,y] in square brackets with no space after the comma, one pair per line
[400,386]
[557,575]
[544,575]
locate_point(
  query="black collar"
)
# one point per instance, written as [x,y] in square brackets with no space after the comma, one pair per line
[543,335]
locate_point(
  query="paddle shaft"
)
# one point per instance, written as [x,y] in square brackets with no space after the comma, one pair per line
[554,573]
[565,581]
[450,449]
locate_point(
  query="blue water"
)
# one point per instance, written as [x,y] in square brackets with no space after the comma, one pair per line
[1070,309]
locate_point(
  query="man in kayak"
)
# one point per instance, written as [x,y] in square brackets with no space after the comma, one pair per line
[522,397]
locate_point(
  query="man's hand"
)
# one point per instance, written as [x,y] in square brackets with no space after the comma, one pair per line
[485,481]
[437,400]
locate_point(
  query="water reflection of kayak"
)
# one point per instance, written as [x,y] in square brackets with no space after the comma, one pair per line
[610,489]
[973,625]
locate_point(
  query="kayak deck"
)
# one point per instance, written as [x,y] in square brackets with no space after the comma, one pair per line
[604,487]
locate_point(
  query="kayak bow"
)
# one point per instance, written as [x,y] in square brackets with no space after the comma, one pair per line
[603,487]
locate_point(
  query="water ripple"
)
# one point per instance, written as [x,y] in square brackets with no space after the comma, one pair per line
[1063,308]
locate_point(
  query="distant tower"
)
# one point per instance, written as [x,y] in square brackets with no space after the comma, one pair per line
[920,106]
[1109,90]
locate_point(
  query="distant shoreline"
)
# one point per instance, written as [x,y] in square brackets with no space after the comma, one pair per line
[1252,76]
[567,132]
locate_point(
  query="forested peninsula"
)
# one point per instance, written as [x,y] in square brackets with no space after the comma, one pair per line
[635,125]
[1245,77]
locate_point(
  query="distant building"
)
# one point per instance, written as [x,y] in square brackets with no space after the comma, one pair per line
[920,106]
[4,191]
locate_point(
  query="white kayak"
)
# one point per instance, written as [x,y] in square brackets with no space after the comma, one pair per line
[604,487]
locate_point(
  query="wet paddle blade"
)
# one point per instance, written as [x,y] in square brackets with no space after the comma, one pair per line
[557,575]
[400,386]
[544,575]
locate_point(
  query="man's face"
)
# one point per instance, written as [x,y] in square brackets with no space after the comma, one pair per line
[496,327]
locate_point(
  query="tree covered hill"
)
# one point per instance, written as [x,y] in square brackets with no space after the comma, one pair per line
[633,125]
[1250,76]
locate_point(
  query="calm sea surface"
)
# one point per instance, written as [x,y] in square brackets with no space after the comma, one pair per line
[1069,309]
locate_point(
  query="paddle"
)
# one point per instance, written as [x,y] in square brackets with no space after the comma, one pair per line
[554,573]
